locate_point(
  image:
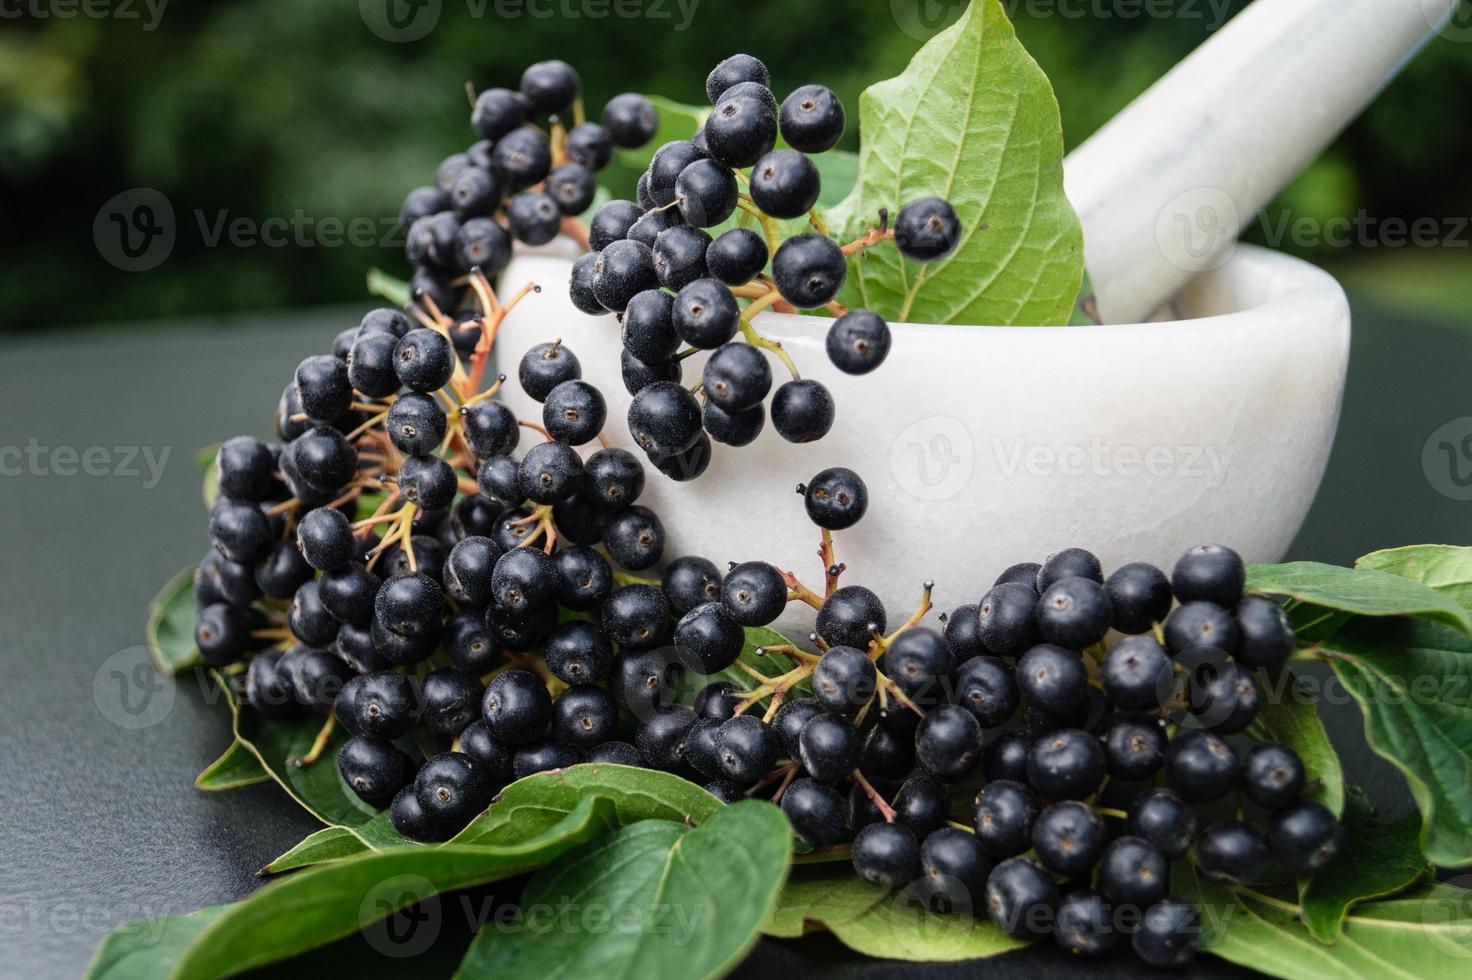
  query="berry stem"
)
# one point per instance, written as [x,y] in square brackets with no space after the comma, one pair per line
[831,568]
[815,218]
[319,745]
[800,591]
[577,231]
[755,338]
[914,620]
[872,237]
[873,794]
[533,425]
[1105,811]
[888,686]
[770,231]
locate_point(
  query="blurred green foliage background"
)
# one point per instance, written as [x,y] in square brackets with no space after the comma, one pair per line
[280,108]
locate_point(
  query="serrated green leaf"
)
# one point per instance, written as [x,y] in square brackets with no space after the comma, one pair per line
[1426,935]
[1377,859]
[1443,567]
[315,907]
[1359,591]
[237,766]
[170,630]
[530,805]
[1412,679]
[657,899]
[972,120]
[1290,715]
[148,948]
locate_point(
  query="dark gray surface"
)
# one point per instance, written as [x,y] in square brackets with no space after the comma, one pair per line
[100,824]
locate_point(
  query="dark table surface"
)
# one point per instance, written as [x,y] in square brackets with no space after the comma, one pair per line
[100,823]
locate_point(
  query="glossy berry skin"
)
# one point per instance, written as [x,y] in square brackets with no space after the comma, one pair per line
[923,804]
[450,700]
[829,748]
[542,756]
[577,652]
[517,706]
[1068,837]
[710,636]
[636,617]
[1200,766]
[736,256]
[613,478]
[785,184]
[789,723]
[589,144]
[690,581]
[751,89]
[647,229]
[468,643]
[1201,624]
[1005,757]
[239,531]
[322,383]
[664,418]
[348,594]
[886,754]
[746,749]
[736,377]
[371,364]
[424,359]
[613,221]
[325,538]
[451,789]
[1224,697]
[1209,573]
[1139,594]
[499,481]
[1004,816]
[546,366]
[1066,764]
[381,705]
[534,217]
[920,661]
[802,410]
[705,314]
[1134,746]
[668,162]
[927,230]
[717,701]
[1134,872]
[732,71]
[1266,636]
[809,270]
[850,617]
[222,633]
[707,194]
[858,342]
[811,119]
[428,482]
[1272,775]
[687,464]
[956,866]
[844,679]
[1304,836]
[886,855]
[700,749]
[816,812]
[648,326]
[481,243]
[415,424]
[623,269]
[243,469]
[584,578]
[679,259]
[987,687]
[1232,851]
[948,741]
[574,412]
[374,769]
[523,579]
[1022,573]
[309,618]
[549,87]
[410,604]
[635,538]
[521,158]
[266,690]
[754,593]
[1007,619]
[617,753]
[1169,934]
[1069,561]
[1165,820]
[550,472]
[584,716]
[631,120]
[741,131]
[836,499]
[963,633]
[572,188]
[1021,898]
[1085,924]
[1053,678]
[475,193]
[1074,613]
[1136,675]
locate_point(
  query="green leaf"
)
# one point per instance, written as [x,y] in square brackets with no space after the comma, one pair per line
[972,120]
[170,630]
[275,742]
[1443,567]
[1412,679]
[877,923]
[211,489]
[318,906]
[388,287]
[1291,716]
[528,806]
[148,948]
[1361,591]
[237,766]
[656,899]
[1377,859]
[1422,936]
[323,847]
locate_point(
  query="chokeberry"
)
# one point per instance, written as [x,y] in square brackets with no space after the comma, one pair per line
[244,468]
[963,632]
[746,748]
[239,531]
[705,314]
[664,418]
[700,748]
[718,700]
[732,71]
[612,223]
[1068,837]
[616,753]
[1066,563]
[1134,746]
[542,755]
[590,144]
[809,270]
[222,633]
[1201,624]
[1209,573]
[733,428]
[709,635]
[488,752]
[550,472]
[347,593]
[1053,678]
[546,366]
[858,342]
[753,89]
[1139,595]
[420,203]
[583,716]
[533,217]
[927,230]
[415,424]
[886,754]
[1007,619]
[282,570]
[1272,775]
[490,428]
[1134,872]
[923,804]
[1074,613]
[1136,674]
[1022,573]
[736,256]
[468,643]
[475,194]
[1004,815]
[451,789]
[410,605]
[631,119]
[623,269]
[1224,698]
[687,464]
[266,689]
[523,578]
[920,662]
[829,747]
[707,195]
[428,482]
[574,412]
[636,617]
[811,119]
[886,855]
[665,167]
[450,700]
[1232,851]
[802,410]
[521,158]
[497,112]
[371,364]
[481,243]
[785,184]
[754,593]
[1021,898]
[573,187]
[648,326]
[836,499]
[1266,636]
[517,706]
[1066,764]
[740,131]
[1169,934]
[789,723]
[1165,820]
[954,867]
[844,679]
[1085,924]
[577,652]
[375,769]
[499,480]
[736,377]
[815,811]
[650,226]
[690,581]
[987,687]
[851,616]
[1200,766]
[383,704]
[1304,836]
[679,259]
[948,741]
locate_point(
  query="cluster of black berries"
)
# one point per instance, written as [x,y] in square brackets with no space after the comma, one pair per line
[677,290]
[519,181]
